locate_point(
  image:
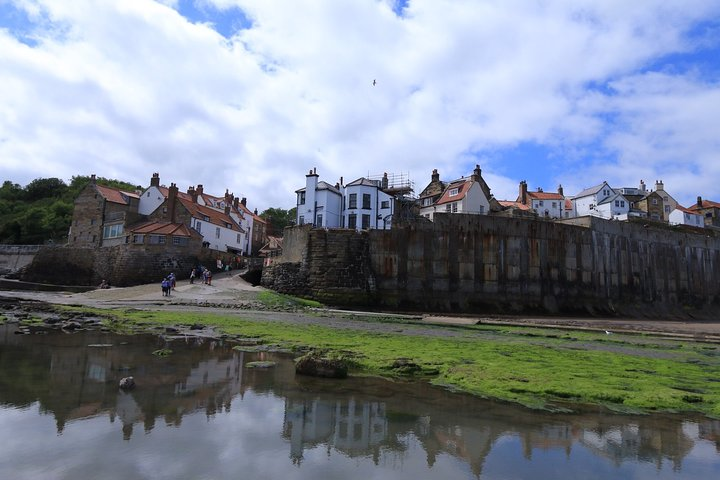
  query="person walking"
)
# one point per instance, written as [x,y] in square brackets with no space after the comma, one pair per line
[192,276]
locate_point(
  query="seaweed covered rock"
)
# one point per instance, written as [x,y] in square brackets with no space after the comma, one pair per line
[315,365]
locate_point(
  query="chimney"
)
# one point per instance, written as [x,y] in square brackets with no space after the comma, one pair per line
[642,186]
[341,182]
[435,177]
[659,185]
[171,200]
[93,179]
[227,209]
[699,201]
[560,191]
[255,212]
[236,202]
[155,180]
[243,200]
[476,174]
[199,190]
[523,192]
[540,189]
[384,184]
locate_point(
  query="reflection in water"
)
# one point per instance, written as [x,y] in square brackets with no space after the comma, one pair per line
[392,426]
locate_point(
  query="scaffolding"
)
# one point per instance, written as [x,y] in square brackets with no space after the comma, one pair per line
[398,184]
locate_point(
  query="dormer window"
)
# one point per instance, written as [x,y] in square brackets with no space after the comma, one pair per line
[453,192]
[206,218]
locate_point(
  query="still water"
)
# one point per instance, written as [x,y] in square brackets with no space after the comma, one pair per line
[201,413]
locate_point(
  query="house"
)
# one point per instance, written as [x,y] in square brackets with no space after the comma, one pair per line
[465,195]
[220,220]
[615,206]
[585,202]
[365,203]
[101,215]
[545,204]
[646,203]
[319,203]
[709,210]
[669,203]
[684,216]
[272,249]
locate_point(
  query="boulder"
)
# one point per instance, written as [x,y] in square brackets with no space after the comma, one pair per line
[127,383]
[316,366]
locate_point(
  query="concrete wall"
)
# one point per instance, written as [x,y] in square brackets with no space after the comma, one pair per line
[15,257]
[469,263]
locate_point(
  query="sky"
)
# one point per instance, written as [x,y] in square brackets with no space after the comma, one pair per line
[250,95]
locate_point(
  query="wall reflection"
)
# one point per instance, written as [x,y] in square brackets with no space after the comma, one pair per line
[73,377]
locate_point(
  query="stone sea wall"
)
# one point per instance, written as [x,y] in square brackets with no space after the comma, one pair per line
[471,263]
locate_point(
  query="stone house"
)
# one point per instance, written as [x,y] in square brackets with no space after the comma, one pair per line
[465,195]
[101,215]
[709,210]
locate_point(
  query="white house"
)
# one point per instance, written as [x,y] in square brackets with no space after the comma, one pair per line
[466,195]
[586,202]
[319,203]
[362,204]
[545,204]
[683,216]
[615,206]
[366,205]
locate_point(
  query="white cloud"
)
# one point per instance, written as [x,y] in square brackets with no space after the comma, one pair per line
[124,89]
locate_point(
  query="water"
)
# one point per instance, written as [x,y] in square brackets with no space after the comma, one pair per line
[200,413]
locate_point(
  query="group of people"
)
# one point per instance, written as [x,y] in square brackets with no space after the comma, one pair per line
[168,284]
[201,272]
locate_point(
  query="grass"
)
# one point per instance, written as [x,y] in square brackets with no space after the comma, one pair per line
[277,300]
[536,367]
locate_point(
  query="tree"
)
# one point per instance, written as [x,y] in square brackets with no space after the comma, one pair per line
[277,219]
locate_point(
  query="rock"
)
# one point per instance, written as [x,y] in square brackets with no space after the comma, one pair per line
[196,326]
[127,383]
[316,366]
[260,364]
[71,325]
[405,366]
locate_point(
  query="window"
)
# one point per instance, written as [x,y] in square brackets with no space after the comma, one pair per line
[453,192]
[617,203]
[228,225]
[301,220]
[319,220]
[92,221]
[427,202]
[181,241]
[606,192]
[238,239]
[198,226]
[541,203]
[385,204]
[164,209]
[622,203]
[454,207]
[301,198]
[157,239]
[113,231]
[352,200]
[352,220]
[366,201]
[448,208]
[482,209]
[365,222]
[654,201]
[554,204]
[217,232]
[206,218]
[667,208]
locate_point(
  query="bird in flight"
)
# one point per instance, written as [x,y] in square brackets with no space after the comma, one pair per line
[374,83]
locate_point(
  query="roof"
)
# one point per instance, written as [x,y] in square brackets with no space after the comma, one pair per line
[511,204]
[116,195]
[705,204]
[568,204]
[164,228]
[462,185]
[364,181]
[611,198]
[591,190]
[213,216]
[687,210]
[545,195]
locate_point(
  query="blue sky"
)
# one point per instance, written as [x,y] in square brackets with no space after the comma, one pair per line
[249,95]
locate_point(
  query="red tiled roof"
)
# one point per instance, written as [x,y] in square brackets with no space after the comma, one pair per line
[214,216]
[687,210]
[511,204]
[545,195]
[568,204]
[706,204]
[164,228]
[463,186]
[115,195]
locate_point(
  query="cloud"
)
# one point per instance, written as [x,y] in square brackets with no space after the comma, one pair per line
[124,89]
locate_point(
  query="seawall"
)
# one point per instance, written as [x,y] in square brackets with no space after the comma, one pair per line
[471,263]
